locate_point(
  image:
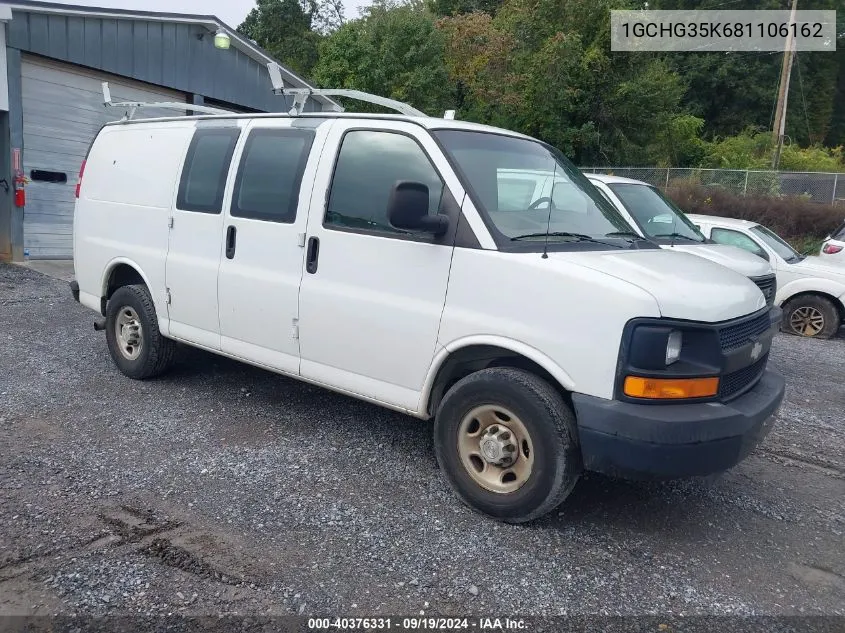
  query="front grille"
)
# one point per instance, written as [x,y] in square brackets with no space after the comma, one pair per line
[732,384]
[734,336]
[768,286]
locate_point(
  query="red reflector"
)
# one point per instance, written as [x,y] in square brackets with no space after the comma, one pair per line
[831,249]
[79,181]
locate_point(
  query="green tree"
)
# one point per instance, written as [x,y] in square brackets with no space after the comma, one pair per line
[393,50]
[283,29]
[544,67]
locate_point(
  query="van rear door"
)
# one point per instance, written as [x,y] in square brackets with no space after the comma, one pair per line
[196,234]
[265,223]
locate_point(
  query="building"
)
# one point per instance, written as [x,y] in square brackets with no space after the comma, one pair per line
[54,59]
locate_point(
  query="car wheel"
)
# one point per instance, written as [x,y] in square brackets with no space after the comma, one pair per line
[812,316]
[506,441]
[135,343]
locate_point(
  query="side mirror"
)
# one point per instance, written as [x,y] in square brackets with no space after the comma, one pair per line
[407,208]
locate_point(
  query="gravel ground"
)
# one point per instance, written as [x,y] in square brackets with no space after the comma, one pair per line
[221,488]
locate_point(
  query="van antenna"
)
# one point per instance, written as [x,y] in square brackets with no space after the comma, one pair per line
[549,221]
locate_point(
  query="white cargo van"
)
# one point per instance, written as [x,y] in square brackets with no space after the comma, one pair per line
[658,219]
[379,256]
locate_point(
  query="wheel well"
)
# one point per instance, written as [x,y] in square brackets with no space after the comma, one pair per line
[474,358]
[121,275]
[813,293]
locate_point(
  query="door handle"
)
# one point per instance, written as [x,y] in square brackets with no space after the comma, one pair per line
[312,255]
[231,235]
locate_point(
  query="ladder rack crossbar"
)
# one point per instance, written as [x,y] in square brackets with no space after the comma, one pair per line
[301,95]
[132,106]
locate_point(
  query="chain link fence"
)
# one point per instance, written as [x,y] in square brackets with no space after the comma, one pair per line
[821,187]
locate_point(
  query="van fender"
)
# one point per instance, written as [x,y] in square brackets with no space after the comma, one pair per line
[512,345]
[161,311]
[114,263]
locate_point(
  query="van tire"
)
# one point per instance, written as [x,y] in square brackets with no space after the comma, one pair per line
[811,306]
[541,411]
[155,353]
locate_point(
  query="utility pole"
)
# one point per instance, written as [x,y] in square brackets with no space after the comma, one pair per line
[783,92]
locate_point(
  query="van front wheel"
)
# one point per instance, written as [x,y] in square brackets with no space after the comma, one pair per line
[135,342]
[506,441]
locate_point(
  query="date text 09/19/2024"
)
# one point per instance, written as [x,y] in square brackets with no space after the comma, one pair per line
[420,623]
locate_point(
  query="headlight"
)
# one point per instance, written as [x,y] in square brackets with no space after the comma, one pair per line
[673,346]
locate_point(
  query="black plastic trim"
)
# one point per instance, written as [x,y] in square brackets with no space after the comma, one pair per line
[74,290]
[709,359]
[644,442]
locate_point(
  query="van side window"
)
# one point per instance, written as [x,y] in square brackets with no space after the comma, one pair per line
[368,165]
[205,170]
[270,174]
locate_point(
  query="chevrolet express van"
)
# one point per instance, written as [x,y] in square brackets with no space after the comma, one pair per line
[657,218]
[380,256]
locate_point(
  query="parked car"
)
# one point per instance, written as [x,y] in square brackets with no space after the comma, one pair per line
[810,290]
[833,249]
[376,255]
[659,219]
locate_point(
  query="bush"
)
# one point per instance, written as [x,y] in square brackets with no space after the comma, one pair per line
[795,219]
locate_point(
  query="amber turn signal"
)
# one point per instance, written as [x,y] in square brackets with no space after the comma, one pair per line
[670,388]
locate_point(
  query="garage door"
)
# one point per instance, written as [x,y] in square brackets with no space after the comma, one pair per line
[62,112]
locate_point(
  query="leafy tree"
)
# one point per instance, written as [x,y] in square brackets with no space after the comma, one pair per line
[283,28]
[544,67]
[456,7]
[393,50]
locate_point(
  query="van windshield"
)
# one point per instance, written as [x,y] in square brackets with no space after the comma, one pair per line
[655,214]
[528,190]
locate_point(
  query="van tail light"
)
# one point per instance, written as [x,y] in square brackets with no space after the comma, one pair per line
[79,181]
[831,249]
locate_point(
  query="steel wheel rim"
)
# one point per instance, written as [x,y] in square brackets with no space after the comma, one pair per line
[806,321]
[128,333]
[485,437]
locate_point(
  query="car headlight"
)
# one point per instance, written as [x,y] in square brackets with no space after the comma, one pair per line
[673,346]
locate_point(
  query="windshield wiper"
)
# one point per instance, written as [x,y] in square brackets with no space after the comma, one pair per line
[579,237]
[636,236]
[678,235]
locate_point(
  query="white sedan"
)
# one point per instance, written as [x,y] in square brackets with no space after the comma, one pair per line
[833,248]
[810,290]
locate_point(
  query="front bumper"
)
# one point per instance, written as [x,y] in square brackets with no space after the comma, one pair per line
[647,441]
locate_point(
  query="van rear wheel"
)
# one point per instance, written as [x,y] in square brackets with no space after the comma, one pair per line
[506,441]
[134,340]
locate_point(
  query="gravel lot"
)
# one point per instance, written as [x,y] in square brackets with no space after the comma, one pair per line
[225,489]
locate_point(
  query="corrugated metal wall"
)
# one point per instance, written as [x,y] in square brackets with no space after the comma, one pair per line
[167,54]
[55,63]
[62,112]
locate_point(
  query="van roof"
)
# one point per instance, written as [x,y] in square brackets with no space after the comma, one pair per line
[427,122]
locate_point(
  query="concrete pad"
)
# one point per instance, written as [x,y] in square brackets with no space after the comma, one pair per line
[56,268]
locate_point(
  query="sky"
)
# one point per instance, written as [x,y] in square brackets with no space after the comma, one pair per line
[232,12]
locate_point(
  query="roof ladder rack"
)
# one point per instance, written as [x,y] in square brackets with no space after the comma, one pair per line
[132,106]
[301,95]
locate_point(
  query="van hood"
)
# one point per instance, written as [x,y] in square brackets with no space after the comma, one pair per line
[743,262]
[684,286]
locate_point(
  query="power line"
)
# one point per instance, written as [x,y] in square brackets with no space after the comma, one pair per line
[803,100]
